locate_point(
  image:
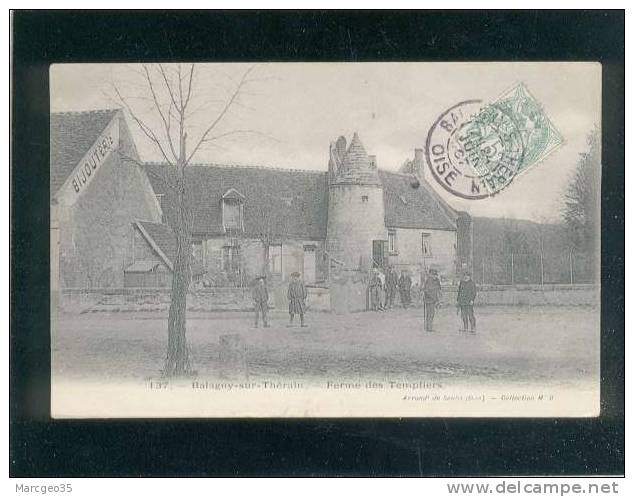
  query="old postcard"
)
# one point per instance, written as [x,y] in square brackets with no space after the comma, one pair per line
[325,240]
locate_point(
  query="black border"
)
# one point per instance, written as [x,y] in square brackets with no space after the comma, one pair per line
[42,447]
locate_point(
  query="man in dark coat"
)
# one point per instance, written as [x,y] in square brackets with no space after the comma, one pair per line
[260,296]
[297,298]
[466,296]
[391,285]
[405,288]
[431,298]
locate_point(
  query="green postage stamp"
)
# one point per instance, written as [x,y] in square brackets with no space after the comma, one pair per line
[474,150]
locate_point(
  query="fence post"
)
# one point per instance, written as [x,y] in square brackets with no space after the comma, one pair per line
[571,268]
[512,270]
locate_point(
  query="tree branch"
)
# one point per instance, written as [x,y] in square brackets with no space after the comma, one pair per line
[189,86]
[166,124]
[222,113]
[180,88]
[144,127]
[235,132]
[161,177]
[169,88]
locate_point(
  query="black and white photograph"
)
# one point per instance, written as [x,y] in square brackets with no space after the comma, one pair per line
[325,239]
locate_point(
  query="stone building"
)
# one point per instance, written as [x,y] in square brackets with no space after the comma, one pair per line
[111,215]
[97,190]
[250,220]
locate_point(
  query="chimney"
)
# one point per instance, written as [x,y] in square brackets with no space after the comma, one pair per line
[373,163]
[418,165]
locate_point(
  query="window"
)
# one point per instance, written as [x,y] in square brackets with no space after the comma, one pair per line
[230,258]
[426,244]
[197,251]
[364,199]
[391,242]
[275,259]
[232,214]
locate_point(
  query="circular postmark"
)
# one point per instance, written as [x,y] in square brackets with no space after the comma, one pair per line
[474,150]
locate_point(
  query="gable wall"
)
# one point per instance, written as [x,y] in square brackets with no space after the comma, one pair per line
[96,231]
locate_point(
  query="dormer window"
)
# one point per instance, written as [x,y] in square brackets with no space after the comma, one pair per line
[233,210]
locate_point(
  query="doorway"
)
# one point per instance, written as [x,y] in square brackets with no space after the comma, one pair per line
[310,266]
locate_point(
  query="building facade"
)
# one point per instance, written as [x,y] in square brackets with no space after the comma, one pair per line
[98,189]
[249,221]
[111,215]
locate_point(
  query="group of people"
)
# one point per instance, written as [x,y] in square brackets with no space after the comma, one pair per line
[465,299]
[296,295]
[384,285]
[382,288]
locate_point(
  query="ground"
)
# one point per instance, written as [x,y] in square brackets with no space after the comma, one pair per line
[554,345]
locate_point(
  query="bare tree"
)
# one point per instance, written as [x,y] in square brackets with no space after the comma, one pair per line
[581,205]
[271,225]
[170,91]
[540,235]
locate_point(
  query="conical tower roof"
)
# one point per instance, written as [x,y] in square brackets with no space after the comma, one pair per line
[356,166]
[356,157]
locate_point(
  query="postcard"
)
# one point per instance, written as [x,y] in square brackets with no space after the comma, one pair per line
[325,240]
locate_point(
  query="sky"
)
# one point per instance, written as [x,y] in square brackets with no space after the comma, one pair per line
[291,112]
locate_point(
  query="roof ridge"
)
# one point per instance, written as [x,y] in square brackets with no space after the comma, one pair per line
[241,166]
[155,246]
[444,206]
[150,222]
[93,111]
[396,173]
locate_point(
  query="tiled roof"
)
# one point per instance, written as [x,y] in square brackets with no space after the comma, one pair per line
[356,156]
[410,203]
[356,167]
[162,237]
[292,201]
[297,199]
[71,135]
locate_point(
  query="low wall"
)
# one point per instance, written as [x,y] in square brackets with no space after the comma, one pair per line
[158,299]
[341,297]
[530,294]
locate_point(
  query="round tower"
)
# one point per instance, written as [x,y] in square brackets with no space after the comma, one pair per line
[356,215]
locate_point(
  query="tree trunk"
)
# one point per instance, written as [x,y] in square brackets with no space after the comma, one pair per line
[266,270]
[177,360]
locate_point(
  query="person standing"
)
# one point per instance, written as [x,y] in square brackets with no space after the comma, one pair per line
[431,298]
[391,284]
[296,298]
[466,296]
[375,291]
[260,296]
[405,288]
[382,289]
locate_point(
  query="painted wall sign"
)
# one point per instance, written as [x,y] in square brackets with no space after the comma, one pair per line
[89,165]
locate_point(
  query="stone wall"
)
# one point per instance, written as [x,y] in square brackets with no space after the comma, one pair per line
[530,295]
[95,234]
[356,217]
[409,253]
[252,258]
[80,300]
[347,295]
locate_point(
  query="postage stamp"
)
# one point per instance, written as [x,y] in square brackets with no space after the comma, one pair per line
[475,150]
